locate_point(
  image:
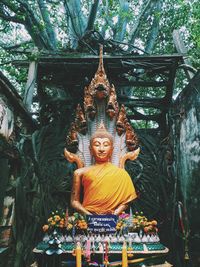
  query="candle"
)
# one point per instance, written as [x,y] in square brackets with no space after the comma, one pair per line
[124,256]
[66,217]
[106,254]
[88,248]
[73,232]
[131,213]
[181,216]
[130,221]
[78,255]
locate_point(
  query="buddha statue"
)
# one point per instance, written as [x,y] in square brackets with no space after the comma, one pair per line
[106,188]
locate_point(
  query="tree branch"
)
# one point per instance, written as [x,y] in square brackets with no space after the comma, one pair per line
[26,7]
[72,27]
[3,29]
[34,27]
[53,1]
[46,19]
[139,21]
[10,5]
[151,39]
[105,8]
[122,21]
[26,16]
[110,24]
[6,16]
[30,85]
[126,44]
[36,35]
[11,47]
[92,15]
[73,8]
[10,18]
[140,116]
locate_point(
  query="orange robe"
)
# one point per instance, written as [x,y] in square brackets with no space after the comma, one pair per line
[105,188]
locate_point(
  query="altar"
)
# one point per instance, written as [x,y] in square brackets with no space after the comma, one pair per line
[114,254]
[98,240]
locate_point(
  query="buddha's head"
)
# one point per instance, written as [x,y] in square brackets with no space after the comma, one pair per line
[101,145]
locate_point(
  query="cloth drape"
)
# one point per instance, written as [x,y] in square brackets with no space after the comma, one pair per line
[106,187]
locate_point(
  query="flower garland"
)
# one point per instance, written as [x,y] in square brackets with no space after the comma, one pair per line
[59,221]
[134,223]
[55,222]
[137,222]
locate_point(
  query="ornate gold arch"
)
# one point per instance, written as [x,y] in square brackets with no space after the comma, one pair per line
[100,104]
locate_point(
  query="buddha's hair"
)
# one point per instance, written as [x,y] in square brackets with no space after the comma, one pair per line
[101,132]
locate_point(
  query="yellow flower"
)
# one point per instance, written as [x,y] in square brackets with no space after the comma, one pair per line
[57,218]
[50,219]
[72,218]
[69,226]
[154,222]
[62,223]
[45,227]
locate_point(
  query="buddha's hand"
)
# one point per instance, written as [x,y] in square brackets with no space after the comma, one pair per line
[88,213]
[120,209]
[116,212]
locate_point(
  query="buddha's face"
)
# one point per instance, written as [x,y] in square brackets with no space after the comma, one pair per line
[101,149]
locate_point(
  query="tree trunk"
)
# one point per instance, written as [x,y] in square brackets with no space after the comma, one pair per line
[30,85]
[77,20]
[48,25]
[138,22]
[92,16]
[122,21]
[151,39]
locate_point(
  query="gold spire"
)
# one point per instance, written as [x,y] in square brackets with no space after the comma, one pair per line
[101,69]
[101,132]
[101,128]
[100,86]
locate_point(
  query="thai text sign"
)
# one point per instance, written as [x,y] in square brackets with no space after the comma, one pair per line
[102,223]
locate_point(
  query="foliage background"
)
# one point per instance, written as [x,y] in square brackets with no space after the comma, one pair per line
[81,24]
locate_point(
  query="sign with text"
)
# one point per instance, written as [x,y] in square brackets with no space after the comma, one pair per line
[100,224]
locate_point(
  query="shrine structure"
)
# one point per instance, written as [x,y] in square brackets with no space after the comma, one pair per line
[102,238]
